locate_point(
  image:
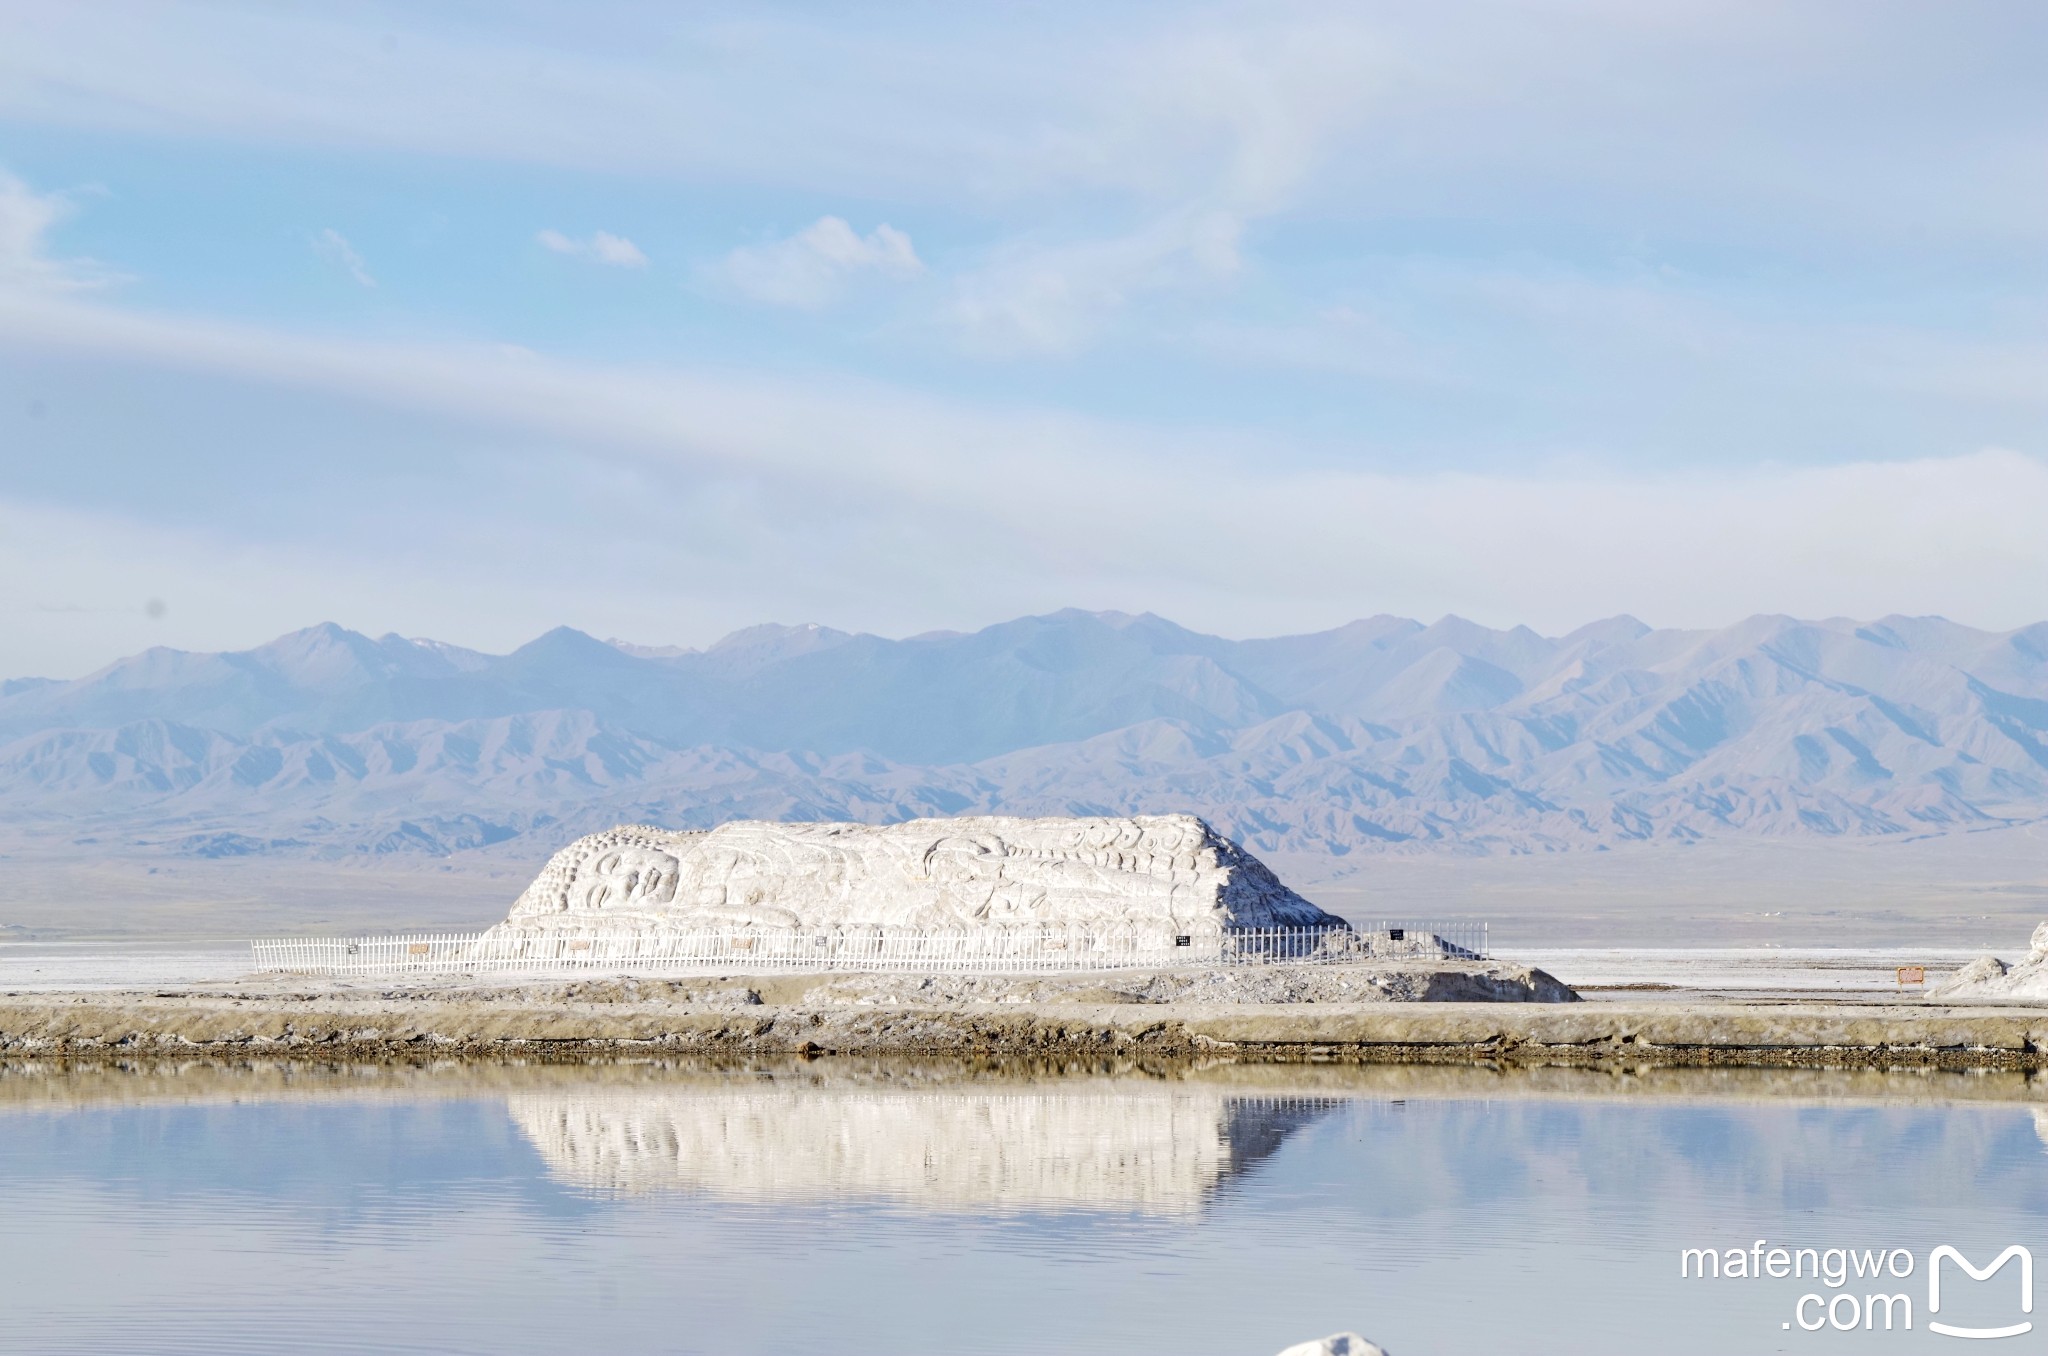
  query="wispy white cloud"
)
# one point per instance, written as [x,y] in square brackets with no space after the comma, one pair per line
[1409,105]
[333,246]
[811,268]
[1030,298]
[797,480]
[1539,363]
[602,246]
[1132,165]
[1566,118]
[26,220]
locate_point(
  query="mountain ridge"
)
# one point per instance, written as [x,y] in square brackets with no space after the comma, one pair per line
[1386,734]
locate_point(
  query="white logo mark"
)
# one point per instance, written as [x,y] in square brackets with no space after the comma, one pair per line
[2026,1289]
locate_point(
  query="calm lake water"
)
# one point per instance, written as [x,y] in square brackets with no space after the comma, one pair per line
[879,1209]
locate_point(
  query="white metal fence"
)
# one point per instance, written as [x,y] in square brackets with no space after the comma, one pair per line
[1015,951]
[1386,941]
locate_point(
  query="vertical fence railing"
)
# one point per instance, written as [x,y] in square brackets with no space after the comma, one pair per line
[901,949]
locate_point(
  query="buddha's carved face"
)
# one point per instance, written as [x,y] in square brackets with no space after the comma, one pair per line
[625,878]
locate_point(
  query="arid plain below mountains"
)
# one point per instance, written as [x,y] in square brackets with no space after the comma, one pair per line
[1897,768]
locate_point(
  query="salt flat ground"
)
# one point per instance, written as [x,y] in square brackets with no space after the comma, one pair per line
[67,967]
[1738,917]
[1633,974]
[1636,974]
[1985,890]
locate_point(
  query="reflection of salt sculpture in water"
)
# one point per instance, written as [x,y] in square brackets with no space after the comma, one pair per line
[1172,872]
[1158,1150]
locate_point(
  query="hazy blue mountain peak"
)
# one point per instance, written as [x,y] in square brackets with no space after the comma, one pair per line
[1383,734]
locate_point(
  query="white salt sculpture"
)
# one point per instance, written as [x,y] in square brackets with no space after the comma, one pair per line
[1169,872]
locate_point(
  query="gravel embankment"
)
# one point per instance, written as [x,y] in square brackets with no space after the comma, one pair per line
[1276,1014]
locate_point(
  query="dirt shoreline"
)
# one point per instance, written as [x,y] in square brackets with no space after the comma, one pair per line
[820,1015]
[30,1083]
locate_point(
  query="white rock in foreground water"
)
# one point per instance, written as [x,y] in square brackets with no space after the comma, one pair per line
[1337,1344]
[1150,870]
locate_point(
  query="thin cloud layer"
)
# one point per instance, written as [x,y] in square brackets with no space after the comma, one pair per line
[602,247]
[1259,316]
[811,268]
[1055,298]
[333,246]
[773,497]
[27,219]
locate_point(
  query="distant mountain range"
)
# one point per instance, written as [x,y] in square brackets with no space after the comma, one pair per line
[1383,735]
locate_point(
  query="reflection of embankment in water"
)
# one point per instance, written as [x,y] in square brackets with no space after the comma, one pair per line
[1147,1147]
[33,1084]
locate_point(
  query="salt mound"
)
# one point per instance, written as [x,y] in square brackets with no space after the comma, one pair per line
[1170,872]
[1989,979]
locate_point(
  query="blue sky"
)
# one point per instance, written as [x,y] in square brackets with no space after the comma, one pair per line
[469,320]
